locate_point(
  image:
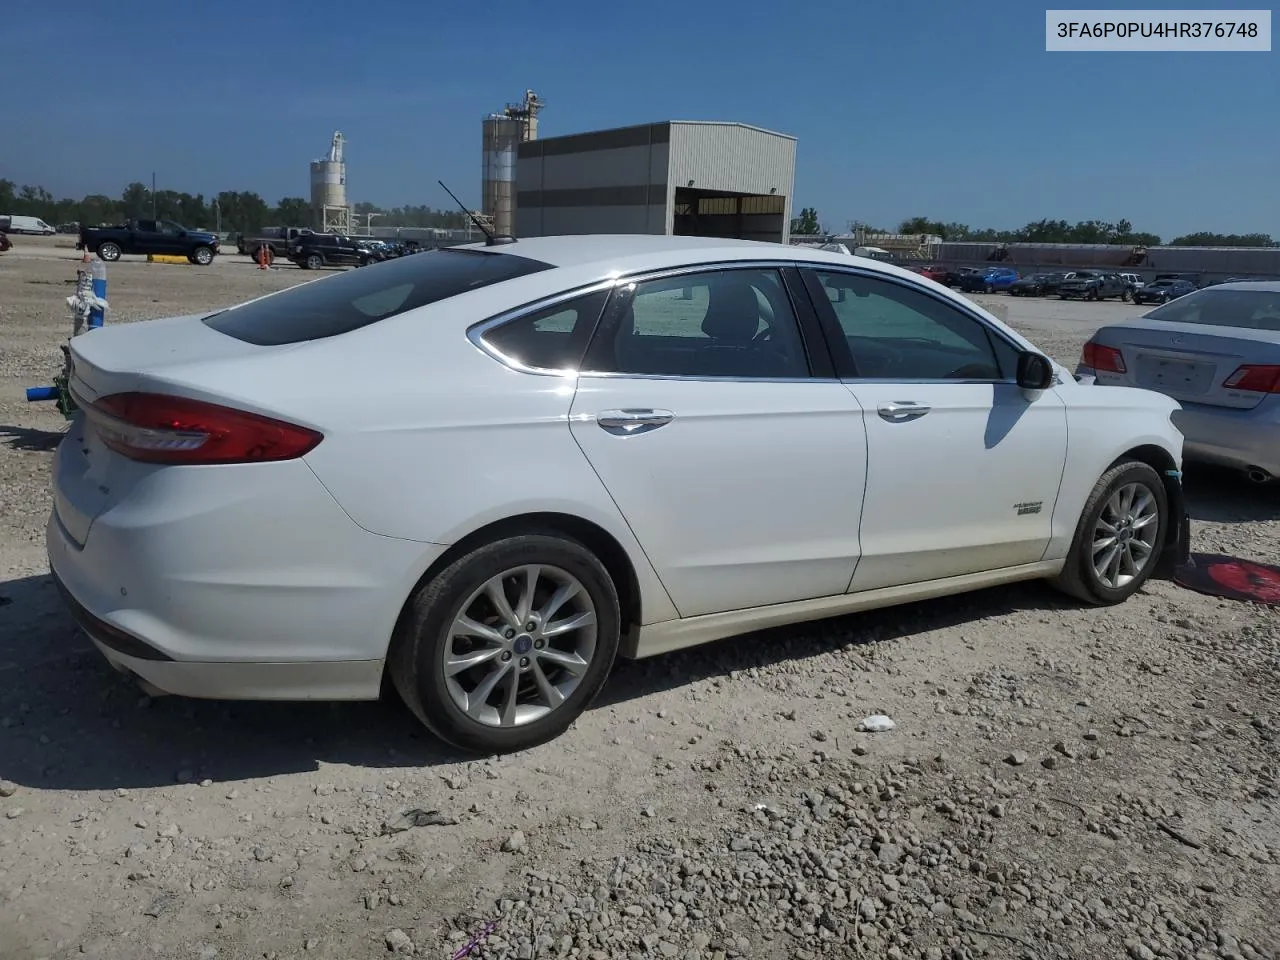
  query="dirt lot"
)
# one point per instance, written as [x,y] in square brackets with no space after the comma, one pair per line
[1061,782]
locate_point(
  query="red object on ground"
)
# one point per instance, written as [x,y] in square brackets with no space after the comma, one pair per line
[1231,578]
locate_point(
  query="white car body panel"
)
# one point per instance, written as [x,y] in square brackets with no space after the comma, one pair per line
[285,579]
[967,487]
[750,496]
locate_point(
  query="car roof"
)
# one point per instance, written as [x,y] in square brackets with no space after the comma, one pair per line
[1263,286]
[629,251]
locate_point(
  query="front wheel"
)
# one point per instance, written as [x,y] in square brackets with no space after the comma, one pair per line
[1125,296]
[1120,536]
[202,256]
[314,261]
[109,251]
[507,646]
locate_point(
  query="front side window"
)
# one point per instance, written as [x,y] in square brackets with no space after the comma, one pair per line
[551,338]
[721,323]
[898,333]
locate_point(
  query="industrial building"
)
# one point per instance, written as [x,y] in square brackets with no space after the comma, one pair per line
[685,178]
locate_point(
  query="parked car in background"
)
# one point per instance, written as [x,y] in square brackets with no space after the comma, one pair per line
[955,275]
[140,236]
[15,223]
[1217,352]
[935,273]
[312,251]
[279,240]
[990,280]
[1091,285]
[1036,285]
[1162,291]
[305,499]
[1132,282]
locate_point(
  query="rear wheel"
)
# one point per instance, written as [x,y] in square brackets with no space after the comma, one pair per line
[507,646]
[1120,536]
[109,251]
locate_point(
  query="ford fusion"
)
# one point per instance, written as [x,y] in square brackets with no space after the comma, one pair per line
[486,473]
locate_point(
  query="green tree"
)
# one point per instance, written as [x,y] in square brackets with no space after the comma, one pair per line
[292,212]
[1205,239]
[806,224]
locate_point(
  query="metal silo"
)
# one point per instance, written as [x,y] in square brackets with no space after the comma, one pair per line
[498,181]
[329,189]
[502,136]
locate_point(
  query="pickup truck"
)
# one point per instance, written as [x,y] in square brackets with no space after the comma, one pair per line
[1092,285]
[149,236]
[279,239]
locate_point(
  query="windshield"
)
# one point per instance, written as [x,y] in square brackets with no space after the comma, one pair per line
[358,298]
[1245,309]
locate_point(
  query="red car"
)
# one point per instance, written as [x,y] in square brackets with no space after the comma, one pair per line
[937,274]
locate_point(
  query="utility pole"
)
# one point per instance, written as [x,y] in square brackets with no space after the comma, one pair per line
[153,194]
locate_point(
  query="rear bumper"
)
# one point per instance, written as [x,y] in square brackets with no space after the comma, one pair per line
[241,583]
[1239,439]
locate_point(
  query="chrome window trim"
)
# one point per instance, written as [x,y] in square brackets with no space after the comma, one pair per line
[476,332]
[945,301]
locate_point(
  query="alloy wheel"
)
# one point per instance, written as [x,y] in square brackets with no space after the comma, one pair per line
[1124,536]
[520,645]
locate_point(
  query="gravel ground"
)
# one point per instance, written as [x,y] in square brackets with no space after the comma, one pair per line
[1060,782]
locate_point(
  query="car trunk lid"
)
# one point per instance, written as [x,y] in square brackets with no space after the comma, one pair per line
[149,356]
[1187,362]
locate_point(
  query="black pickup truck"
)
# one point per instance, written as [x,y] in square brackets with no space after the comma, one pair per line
[149,236]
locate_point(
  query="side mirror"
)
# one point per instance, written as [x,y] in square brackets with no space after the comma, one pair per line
[1035,372]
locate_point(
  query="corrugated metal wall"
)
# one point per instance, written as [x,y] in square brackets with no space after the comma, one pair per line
[734,158]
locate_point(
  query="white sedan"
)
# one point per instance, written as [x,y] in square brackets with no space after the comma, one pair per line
[486,472]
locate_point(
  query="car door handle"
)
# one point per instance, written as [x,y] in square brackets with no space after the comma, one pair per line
[902,411]
[625,423]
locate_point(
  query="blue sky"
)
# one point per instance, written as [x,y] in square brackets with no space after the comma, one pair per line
[950,110]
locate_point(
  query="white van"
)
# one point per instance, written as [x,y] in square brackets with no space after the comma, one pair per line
[17,224]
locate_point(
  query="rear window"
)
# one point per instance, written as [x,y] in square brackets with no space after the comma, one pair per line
[358,298]
[1245,309]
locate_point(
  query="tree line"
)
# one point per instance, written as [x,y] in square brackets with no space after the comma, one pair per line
[230,210]
[1120,233]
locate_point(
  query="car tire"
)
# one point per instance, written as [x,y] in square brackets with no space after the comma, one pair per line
[202,255]
[109,251]
[425,638]
[314,261]
[1080,577]
[1125,296]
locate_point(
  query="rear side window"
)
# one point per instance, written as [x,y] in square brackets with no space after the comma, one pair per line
[358,298]
[552,338]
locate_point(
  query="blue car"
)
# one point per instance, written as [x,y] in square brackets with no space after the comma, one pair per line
[989,281]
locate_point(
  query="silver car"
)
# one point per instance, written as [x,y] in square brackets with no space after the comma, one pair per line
[1217,352]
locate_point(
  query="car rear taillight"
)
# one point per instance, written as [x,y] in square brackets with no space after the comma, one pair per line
[158,428]
[1106,359]
[1262,378]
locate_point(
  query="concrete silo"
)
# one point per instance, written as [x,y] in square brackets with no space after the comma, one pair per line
[502,135]
[329,208]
